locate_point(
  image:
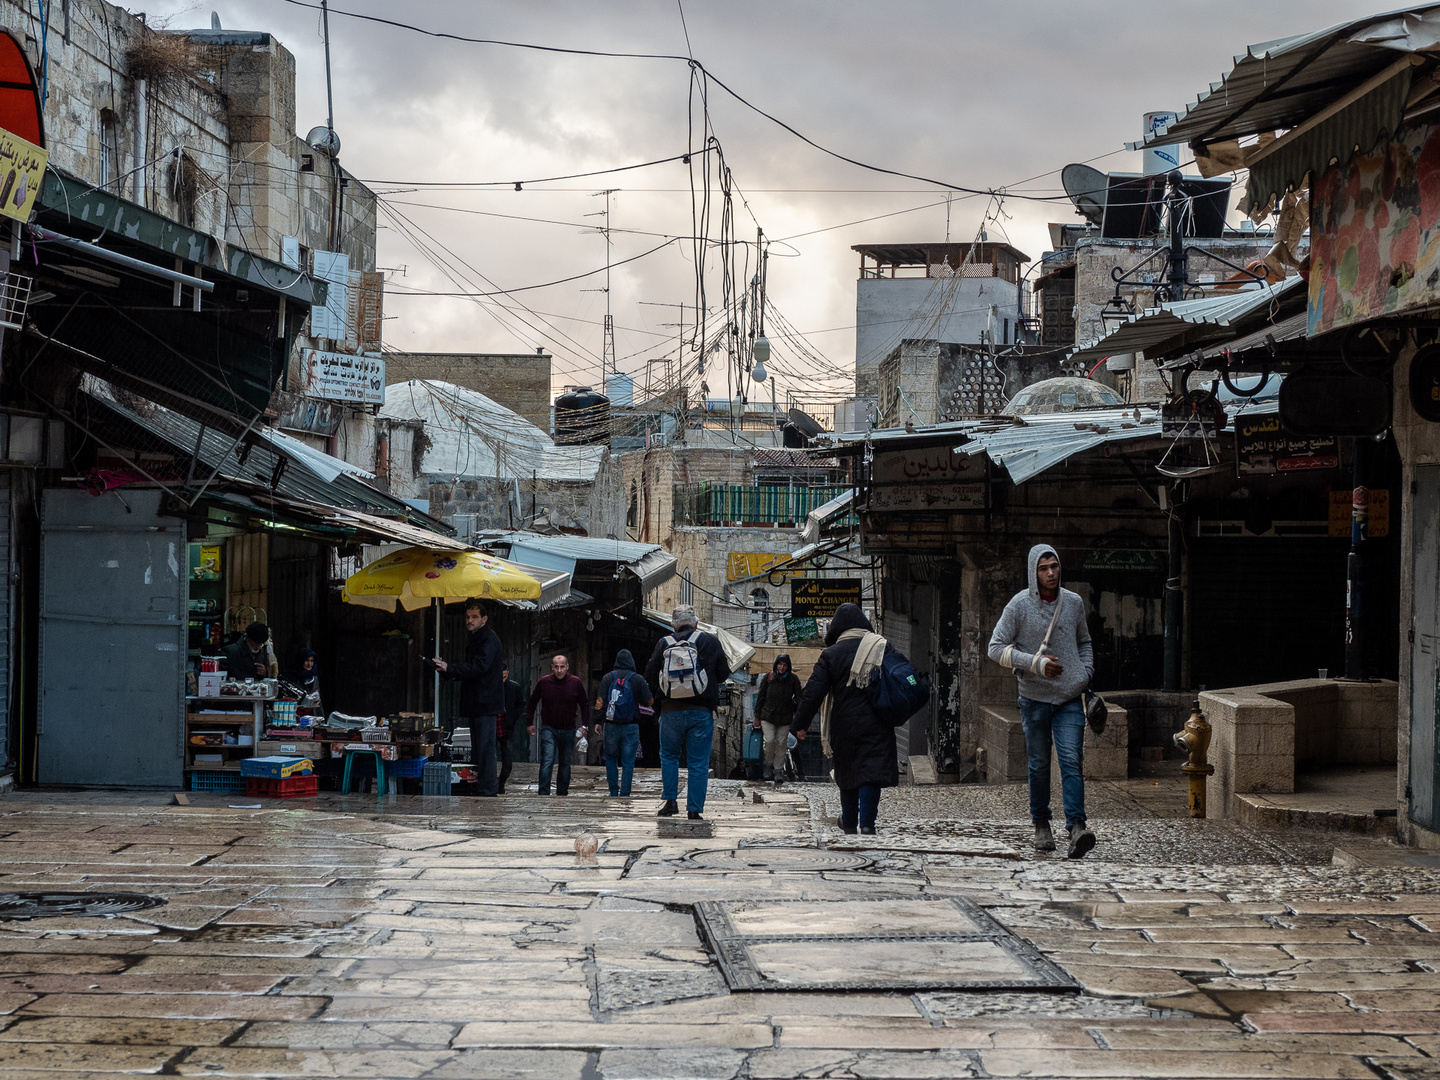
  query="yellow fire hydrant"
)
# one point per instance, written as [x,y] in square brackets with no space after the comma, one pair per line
[1195,740]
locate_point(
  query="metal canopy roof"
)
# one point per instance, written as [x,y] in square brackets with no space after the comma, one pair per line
[1189,322]
[1277,84]
[650,563]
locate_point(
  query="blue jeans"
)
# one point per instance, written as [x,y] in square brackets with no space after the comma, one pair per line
[1064,726]
[482,743]
[858,807]
[555,747]
[621,742]
[689,732]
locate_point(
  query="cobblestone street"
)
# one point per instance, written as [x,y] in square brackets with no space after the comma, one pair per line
[467,938]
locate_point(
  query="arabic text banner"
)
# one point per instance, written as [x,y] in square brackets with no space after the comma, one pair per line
[22,167]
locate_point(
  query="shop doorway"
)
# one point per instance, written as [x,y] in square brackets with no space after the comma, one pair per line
[112,640]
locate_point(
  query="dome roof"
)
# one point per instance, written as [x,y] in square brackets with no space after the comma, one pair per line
[1061,395]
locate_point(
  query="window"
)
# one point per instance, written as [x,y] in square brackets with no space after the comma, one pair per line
[687,589]
[109,149]
[759,615]
[633,513]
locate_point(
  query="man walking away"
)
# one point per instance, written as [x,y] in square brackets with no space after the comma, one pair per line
[511,721]
[1042,635]
[564,708]
[482,690]
[617,709]
[686,669]
[775,712]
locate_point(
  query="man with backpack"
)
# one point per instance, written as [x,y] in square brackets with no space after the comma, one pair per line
[686,669]
[774,713]
[622,692]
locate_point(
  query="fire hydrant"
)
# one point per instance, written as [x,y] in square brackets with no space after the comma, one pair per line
[1195,740]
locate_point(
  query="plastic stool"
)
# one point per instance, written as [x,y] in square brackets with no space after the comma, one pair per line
[350,756]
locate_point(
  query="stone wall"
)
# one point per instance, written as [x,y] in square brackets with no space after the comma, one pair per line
[519,381]
[647,480]
[705,554]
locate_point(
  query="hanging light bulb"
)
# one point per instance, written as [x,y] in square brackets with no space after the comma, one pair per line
[761,351]
[760,373]
[590,623]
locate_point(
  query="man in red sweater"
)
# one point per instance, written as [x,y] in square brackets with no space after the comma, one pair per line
[564,708]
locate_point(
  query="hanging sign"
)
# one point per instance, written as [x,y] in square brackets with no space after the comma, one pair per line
[741,565]
[1262,445]
[22,167]
[926,480]
[356,379]
[817,598]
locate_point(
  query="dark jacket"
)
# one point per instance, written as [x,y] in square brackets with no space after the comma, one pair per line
[864,746]
[564,703]
[624,669]
[298,677]
[482,691]
[240,661]
[514,711]
[712,659]
[779,694]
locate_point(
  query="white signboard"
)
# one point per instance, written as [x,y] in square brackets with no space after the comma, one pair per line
[970,496]
[923,466]
[356,379]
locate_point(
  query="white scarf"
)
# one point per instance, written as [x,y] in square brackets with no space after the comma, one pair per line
[867,659]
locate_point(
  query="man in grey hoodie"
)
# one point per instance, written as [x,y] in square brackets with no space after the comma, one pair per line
[1051,679]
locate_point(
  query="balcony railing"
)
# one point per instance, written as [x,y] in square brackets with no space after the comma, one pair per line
[739,504]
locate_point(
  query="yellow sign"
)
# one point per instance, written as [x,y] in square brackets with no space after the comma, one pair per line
[1377,524]
[748,564]
[22,167]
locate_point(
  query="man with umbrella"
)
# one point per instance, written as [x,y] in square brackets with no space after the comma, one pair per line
[482,690]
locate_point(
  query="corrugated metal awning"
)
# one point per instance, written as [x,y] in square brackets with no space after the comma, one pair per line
[816,519]
[650,563]
[1186,323]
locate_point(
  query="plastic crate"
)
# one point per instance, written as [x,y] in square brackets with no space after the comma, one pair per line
[292,787]
[216,780]
[410,768]
[275,767]
[436,779]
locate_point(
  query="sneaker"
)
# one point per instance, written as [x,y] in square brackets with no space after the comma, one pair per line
[668,809]
[1044,839]
[867,830]
[694,815]
[1081,841]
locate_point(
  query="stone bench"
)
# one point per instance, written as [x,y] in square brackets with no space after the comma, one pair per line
[1260,733]
[1002,738]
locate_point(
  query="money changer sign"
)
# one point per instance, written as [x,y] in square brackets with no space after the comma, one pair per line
[817,598]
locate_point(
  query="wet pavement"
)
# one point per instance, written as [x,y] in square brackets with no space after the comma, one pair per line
[410,936]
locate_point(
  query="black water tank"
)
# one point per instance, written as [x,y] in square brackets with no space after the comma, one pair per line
[792,436]
[582,416]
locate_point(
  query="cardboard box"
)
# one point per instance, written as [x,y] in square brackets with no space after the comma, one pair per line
[387,751]
[210,683]
[276,767]
[291,748]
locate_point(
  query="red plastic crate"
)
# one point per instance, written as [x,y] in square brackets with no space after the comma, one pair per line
[292,787]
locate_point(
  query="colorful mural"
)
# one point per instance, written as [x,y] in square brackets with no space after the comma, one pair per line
[1375,233]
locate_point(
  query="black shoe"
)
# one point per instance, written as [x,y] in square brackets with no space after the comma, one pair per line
[1081,841]
[500,792]
[867,830]
[668,809]
[694,815]
[849,830]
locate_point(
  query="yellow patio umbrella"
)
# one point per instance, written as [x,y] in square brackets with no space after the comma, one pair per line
[414,577]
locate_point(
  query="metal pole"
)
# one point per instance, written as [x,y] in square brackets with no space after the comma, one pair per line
[439,610]
[1172,604]
[1355,565]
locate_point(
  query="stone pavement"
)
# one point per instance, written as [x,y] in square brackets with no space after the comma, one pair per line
[409,937]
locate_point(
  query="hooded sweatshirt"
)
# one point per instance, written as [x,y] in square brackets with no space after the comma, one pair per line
[1023,624]
[779,694]
[624,669]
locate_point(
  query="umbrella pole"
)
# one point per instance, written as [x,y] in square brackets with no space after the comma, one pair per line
[439,611]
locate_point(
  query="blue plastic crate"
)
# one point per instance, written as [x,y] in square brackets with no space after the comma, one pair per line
[406,768]
[216,780]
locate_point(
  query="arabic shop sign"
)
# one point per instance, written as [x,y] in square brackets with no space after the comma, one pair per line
[921,466]
[894,497]
[1376,511]
[22,167]
[740,565]
[354,379]
[817,598]
[1262,445]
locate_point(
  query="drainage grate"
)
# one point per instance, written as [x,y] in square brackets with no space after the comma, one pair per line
[903,944]
[777,860]
[51,905]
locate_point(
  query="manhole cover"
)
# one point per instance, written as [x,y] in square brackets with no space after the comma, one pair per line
[70,905]
[897,944]
[777,860]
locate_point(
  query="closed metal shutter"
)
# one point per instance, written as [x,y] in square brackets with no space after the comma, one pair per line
[6,607]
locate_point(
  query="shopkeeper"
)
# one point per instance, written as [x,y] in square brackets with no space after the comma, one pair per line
[252,657]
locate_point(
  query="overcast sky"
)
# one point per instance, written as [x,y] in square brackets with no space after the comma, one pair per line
[993,94]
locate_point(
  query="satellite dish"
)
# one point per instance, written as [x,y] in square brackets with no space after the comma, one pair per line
[1087,188]
[325,140]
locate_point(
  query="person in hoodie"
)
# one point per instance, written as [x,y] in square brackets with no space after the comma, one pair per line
[775,712]
[1052,677]
[861,744]
[617,709]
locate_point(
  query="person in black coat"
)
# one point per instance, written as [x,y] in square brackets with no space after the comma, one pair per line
[862,746]
[482,690]
[511,721]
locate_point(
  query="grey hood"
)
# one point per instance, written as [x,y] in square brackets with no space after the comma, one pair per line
[1038,552]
